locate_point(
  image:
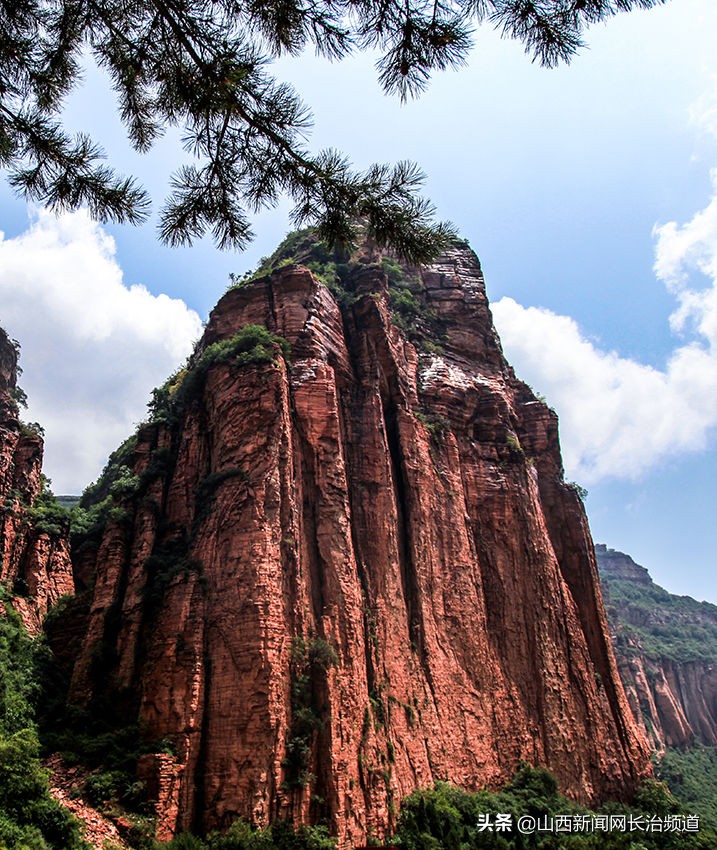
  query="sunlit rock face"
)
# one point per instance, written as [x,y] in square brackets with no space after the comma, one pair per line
[353,570]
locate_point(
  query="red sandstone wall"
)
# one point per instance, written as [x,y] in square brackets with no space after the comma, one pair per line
[408,509]
[33,565]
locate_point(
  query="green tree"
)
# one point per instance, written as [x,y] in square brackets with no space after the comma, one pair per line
[202,65]
[30,819]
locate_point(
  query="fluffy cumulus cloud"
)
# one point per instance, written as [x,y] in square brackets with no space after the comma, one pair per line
[687,255]
[619,417]
[92,346]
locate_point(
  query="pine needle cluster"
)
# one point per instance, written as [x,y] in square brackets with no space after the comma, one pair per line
[202,65]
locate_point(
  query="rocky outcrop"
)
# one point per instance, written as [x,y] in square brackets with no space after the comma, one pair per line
[34,565]
[666,649]
[617,566]
[345,573]
[677,700]
[66,786]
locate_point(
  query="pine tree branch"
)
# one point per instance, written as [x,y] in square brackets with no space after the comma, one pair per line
[199,64]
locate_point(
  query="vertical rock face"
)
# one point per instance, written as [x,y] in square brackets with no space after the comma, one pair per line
[349,573]
[666,648]
[34,565]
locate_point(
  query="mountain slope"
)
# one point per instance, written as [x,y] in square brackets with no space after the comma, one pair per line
[666,647]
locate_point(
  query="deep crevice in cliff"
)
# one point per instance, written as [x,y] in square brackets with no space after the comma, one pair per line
[409,583]
[198,812]
[310,501]
[120,704]
[351,416]
[583,591]
[350,444]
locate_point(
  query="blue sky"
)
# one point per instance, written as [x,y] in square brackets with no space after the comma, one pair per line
[587,193]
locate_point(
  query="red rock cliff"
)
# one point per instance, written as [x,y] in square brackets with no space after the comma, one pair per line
[34,565]
[355,572]
[675,703]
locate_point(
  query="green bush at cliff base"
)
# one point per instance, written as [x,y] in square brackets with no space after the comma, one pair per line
[30,819]
[445,818]
[98,736]
[691,775]
[241,836]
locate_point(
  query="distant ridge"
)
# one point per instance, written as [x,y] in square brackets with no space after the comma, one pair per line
[666,649]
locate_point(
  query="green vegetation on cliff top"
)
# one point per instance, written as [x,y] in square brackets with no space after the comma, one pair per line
[677,628]
[252,344]
[406,291]
[106,499]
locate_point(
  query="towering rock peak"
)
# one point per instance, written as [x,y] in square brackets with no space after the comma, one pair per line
[341,562]
[443,305]
[34,565]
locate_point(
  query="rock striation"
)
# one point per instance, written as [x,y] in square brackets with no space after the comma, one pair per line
[666,649]
[35,565]
[338,575]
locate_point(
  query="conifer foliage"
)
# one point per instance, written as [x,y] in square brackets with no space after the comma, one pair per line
[201,65]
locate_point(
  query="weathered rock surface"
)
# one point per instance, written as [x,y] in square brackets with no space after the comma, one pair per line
[34,565]
[353,573]
[671,688]
[618,566]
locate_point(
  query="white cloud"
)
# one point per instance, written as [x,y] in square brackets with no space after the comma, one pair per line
[92,347]
[619,417]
